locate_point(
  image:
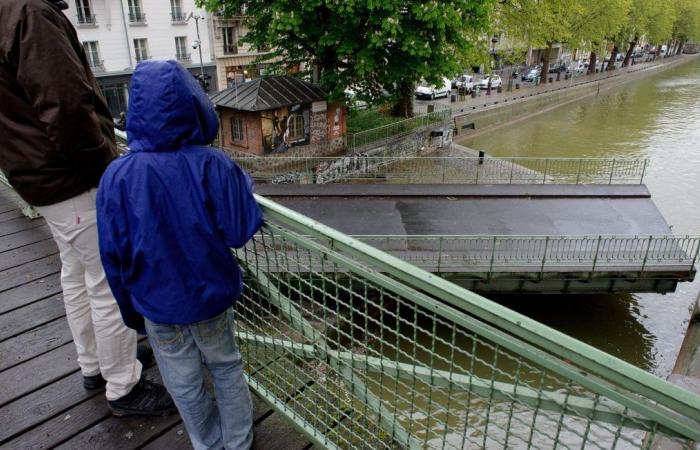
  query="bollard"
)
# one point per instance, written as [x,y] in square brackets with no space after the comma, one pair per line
[481,156]
[558,76]
[431,107]
[517,86]
[453,98]
[473,93]
[551,79]
[499,89]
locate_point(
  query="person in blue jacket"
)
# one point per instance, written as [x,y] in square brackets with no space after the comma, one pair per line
[168,214]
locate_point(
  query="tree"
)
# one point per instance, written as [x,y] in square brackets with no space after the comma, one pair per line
[578,23]
[373,46]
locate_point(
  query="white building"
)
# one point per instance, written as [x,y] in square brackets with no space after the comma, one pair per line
[117,34]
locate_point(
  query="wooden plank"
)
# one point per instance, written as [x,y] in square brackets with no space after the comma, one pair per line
[41,405]
[33,343]
[59,428]
[28,253]
[15,225]
[6,215]
[24,238]
[26,273]
[31,292]
[177,439]
[35,373]
[31,316]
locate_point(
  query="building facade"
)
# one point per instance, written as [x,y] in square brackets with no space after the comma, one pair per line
[235,60]
[118,34]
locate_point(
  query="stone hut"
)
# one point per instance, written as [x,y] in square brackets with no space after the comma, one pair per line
[279,114]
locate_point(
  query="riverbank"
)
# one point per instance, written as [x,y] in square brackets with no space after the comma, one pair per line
[473,119]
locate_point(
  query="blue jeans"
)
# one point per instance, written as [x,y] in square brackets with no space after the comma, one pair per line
[182,352]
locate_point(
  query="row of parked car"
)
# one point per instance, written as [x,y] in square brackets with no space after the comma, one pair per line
[466,81]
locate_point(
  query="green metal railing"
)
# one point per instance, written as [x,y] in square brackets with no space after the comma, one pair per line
[489,254]
[409,169]
[359,349]
[379,136]
[27,210]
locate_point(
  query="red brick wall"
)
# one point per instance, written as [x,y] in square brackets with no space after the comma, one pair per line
[252,131]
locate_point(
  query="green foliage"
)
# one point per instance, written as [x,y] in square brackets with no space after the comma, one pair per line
[361,120]
[369,45]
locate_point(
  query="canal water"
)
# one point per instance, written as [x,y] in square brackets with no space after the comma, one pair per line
[656,118]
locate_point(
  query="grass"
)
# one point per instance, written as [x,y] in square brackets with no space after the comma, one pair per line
[366,119]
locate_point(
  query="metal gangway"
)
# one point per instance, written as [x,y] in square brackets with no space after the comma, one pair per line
[359,349]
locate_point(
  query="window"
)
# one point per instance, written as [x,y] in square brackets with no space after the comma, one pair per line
[141,49]
[85,16]
[176,11]
[296,127]
[181,49]
[237,129]
[136,14]
[230,47]
[93,55]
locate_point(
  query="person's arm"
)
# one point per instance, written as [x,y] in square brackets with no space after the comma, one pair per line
[111,262]
[54,80]
[230,192]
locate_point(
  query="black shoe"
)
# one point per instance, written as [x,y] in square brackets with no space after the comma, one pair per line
[146,399]
[93,382]
[144,354]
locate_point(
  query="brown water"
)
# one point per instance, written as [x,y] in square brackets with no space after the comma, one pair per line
[657,118]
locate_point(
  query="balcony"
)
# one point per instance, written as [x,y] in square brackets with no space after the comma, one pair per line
[230,50]
[184,58]
[140,58]
[86,20]
[97,66]
[137,18]
[178,17]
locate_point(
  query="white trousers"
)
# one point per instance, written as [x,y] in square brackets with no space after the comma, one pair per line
[104,344]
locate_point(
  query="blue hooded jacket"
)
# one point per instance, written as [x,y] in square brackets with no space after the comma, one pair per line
[170,210]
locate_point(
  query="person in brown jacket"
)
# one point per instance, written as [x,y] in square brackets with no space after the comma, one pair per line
[56,139]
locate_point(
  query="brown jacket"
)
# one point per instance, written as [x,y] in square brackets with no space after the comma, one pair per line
[56,131]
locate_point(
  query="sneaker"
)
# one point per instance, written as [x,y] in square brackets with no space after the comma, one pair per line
[144,354]
[146,399]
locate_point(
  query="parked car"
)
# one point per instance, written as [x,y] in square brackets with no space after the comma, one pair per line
[495,81]
[531,74]
[431,91]
[557,68]
[465,81]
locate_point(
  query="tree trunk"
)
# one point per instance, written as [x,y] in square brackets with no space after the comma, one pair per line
[680,48]
[630,50]
[591,63]
[613,58]
[404,105]
[545,64]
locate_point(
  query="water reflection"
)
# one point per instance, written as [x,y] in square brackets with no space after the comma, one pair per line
[657,118]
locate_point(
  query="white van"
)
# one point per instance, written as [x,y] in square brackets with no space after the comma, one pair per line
[430,91]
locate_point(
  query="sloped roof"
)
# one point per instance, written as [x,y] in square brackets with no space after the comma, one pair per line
[268,93]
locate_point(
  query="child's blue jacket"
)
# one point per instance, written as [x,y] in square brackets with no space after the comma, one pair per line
[170,210]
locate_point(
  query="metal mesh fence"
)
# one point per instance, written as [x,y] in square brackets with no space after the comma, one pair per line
[408,169]
[361,350]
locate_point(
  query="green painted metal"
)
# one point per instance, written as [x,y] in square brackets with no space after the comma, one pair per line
[406,165]
[27,210]
[362,350]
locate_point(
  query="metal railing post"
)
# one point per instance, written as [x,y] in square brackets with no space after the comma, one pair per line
[493,257]
[512,166]
[439,265]
[646,255]
[544,256]
[578,174]
[612,171]
[644,170]
[595,257]
[546,166]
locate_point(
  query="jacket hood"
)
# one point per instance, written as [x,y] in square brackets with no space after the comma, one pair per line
[168,109]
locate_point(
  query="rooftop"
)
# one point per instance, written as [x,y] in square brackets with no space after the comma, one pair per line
[268,93]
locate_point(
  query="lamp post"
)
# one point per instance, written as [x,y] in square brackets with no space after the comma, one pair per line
[198,43]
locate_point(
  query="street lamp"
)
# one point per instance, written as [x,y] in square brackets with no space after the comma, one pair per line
[198,43]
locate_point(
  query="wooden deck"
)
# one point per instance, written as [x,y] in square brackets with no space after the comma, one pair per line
[42,401]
